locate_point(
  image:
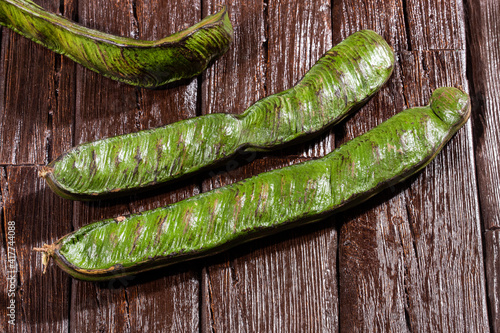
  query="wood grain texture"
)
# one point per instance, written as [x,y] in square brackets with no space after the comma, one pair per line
[453,279]
[42,300]
[230,86]
[380,256]
[288,282]
[484,56]
[492,247]
[409,260]
[371,264]
[485,60]
[420,259]
[62,104]
[25,117]
[435,24]
[106,108]
[385,17]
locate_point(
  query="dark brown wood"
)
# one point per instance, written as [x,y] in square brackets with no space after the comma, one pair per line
[41,300]
[492,241]
[62,104]
[394,255]
[385,17]
[25,118]
[231,85]
[287,283]
[484,62]
[409,260]
[371,262]
[443,215]
[484,55]
[106,108]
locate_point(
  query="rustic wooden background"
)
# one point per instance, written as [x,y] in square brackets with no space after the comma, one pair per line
[423,256]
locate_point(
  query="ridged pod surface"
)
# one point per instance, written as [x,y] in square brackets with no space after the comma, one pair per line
[340,81]
[184,54]
[213,221]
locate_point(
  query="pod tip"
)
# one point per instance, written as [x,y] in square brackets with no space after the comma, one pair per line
[451,105]
[45,171]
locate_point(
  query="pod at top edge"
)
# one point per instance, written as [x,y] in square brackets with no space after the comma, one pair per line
[150,64]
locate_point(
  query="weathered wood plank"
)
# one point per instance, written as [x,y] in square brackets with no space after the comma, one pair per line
[492,248]
[484,63]
[410,259]
[435,24]
[37,114]
[422,246]
[62,103]
[371,264]
[287,283]
[442,205]
[157,300]
[385,17]
[484,48]
[168,298]
[371,267]
[41,300]
[231,85]
[25,118]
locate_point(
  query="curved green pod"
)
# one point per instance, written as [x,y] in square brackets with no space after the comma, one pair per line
[217,220]
[184,54]
[344,78]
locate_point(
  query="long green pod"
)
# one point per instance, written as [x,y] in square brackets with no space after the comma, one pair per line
[344,78]
[213,221]
[137,62]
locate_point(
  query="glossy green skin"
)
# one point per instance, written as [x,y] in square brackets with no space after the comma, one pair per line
[137,62]
[343,79]
[211,222]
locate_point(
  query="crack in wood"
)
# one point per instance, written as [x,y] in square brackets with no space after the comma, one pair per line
[398,56]
[52,106]
[70,297]
[139,109]
[61,7]
[135,21]
[234,274]
[99,319]
[337,275]
[265,43]
[127,309]
[210,300]
[4,165]
[412,232]
[407,24]
[406,272]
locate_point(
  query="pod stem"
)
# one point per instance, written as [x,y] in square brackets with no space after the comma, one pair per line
[45,171]
[47,253]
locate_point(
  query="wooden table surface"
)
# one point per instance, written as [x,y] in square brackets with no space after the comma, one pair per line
[423,256]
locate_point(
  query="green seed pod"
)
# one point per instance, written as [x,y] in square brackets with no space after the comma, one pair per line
[137,62]
[342,80]
[217,220]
